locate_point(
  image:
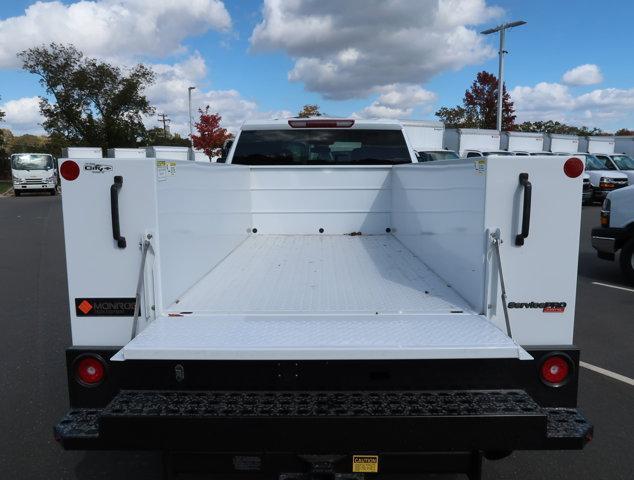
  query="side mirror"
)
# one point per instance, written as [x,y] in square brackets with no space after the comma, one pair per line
[226,147]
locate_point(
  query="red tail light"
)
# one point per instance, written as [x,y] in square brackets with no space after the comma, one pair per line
[69,170]
[321,123]
[573,167]
[89,370]
[555,370]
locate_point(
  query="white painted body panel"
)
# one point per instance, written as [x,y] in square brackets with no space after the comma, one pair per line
[424,135]
[544,269]
[126,153]
[81,152]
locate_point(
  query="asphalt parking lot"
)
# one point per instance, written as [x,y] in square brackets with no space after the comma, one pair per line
[35,330]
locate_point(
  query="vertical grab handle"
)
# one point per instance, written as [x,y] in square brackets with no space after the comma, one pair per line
[114,210]
[526,209]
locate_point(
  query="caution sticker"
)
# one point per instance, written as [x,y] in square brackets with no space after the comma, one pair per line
[365,463]
[480,166]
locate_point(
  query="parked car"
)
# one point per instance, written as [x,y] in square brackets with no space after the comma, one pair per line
[623,163]
[604,177]
[616,233]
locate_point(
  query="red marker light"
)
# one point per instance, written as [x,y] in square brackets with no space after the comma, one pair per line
[69,170]
[89,371]
[573,167]
[554,371]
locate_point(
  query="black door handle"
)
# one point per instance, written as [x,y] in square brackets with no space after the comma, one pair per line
[114,210]
[526,209]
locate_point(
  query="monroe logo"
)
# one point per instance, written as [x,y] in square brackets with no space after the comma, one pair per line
[104,307]
[548,307]
[97,167]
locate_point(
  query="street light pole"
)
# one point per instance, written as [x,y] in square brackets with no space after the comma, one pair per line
[502,29]
[191,131]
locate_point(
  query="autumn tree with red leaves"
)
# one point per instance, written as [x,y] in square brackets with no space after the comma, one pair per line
[211,136]
[479,106]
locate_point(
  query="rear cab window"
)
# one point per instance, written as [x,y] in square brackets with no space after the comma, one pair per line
[321,147]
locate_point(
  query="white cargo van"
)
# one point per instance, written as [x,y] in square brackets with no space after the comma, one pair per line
[604,177]
[625,164]
[561,144]
[426,138]
[33,172]
[522,142]
[473,142]
[322,303]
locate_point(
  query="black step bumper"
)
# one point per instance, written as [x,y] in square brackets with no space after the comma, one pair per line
[324,422]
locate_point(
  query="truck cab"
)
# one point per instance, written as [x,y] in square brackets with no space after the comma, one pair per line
[604,176]
[323,305]
[33,172]
[616,233]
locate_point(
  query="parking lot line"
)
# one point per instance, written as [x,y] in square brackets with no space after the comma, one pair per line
[608,373]
[614,286]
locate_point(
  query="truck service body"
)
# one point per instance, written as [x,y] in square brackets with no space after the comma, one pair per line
[321,302]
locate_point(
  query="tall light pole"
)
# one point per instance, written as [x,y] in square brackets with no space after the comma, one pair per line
[502,29]
[191,131]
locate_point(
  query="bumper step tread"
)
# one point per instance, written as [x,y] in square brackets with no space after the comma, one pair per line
[317,404]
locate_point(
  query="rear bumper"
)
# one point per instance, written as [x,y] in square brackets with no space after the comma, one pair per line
[607,241]
[313,422]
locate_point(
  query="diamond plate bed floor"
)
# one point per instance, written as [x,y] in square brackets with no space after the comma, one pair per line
[321,274]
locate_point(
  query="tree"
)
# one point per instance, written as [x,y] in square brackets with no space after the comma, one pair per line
[551,126]
[95,103]
[624,132]
[211,136]
[156,136]
[479,106]
[2,114]
[309,111]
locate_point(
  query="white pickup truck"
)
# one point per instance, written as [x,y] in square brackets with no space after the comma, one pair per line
[322,304]
[616,233]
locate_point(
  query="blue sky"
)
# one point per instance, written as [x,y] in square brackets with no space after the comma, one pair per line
[246,75]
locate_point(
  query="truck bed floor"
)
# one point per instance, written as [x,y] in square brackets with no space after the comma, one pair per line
[321,274]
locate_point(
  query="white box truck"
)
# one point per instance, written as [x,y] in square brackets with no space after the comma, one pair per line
[473,142]
[33,172]
[522,143]
[426,138]
[321,304]
[624,144]
[126,153]
[597,144]
[561,144]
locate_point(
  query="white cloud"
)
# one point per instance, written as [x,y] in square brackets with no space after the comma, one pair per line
[349,49]
[553,101]
[397,101]
[588,74]
[169,96]
[111,28]
[22,116]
